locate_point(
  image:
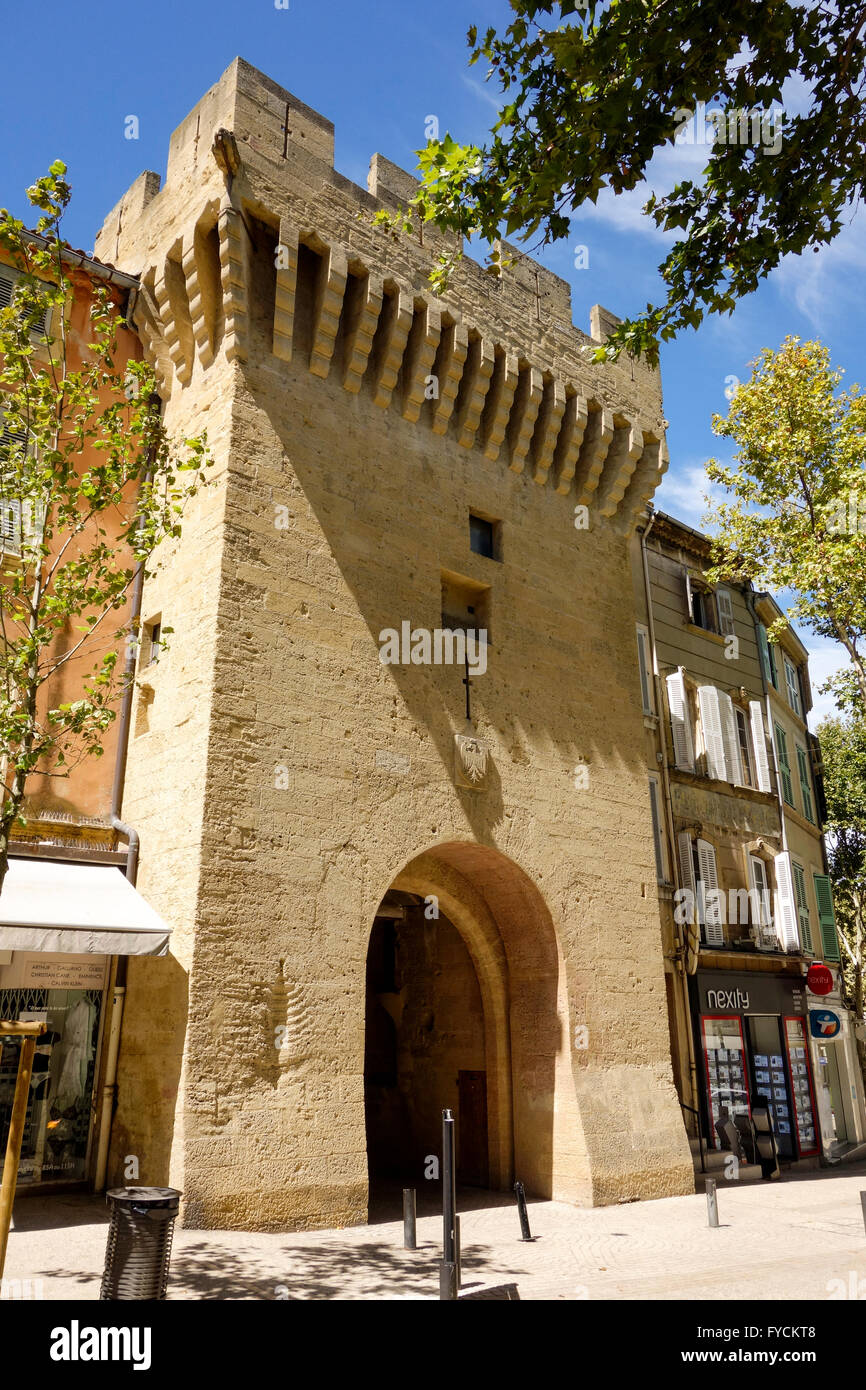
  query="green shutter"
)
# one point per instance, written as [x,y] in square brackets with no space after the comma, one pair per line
[805,784]
[824,895]
[768,656]
[784,765]
[802,906]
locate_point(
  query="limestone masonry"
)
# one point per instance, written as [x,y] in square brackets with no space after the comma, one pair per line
[298,800]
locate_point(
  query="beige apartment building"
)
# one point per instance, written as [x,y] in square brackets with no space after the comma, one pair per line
[403,872]
[745,900]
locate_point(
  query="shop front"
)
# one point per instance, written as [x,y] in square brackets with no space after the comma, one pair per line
[838,1079]
[753,1038]
[62,929]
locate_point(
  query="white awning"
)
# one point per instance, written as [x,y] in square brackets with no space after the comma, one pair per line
[76,909]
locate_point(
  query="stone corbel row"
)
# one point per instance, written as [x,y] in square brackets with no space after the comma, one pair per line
[496,400]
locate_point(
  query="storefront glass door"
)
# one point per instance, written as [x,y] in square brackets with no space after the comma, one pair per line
[830,1085]
[771,1079]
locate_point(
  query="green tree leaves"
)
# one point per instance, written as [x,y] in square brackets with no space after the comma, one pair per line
[591,92]
[796,518]
[90,486]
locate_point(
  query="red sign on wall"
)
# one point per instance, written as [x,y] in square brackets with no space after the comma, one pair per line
[819,980]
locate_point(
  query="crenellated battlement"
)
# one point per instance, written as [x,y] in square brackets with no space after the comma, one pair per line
[252,210]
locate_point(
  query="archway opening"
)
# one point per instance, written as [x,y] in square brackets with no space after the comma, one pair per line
[463,1010]
[424,1049]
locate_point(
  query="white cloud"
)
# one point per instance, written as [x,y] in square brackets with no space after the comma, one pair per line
[819,282]
[484,92]
[683,493]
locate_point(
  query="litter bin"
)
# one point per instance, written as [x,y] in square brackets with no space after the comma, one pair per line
[139,1242]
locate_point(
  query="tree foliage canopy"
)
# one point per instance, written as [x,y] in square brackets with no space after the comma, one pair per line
[796,518]
[90,486]
[592,89]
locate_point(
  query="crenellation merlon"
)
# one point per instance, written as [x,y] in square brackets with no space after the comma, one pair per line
[515,370]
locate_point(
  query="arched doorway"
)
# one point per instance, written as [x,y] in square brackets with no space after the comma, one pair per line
[464,1010]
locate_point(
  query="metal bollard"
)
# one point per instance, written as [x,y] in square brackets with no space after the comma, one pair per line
[457,1251]
[138,1250]
[525,1233]
[448,1266]
[410,1230]
[712,1203]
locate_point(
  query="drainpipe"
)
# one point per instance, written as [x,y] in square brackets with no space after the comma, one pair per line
[109,1090]
[669,817]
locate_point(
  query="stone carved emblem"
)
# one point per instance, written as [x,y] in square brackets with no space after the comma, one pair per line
[470,761]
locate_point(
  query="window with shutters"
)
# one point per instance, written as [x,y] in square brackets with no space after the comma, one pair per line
[658,835]
[802,901]
[744,739]
[8,280]
[682,722]
[787,924]
[805,783]
[10,526]
[725,610]
[768,657]
[792,684]
[708,608]
[784,765]
[719,735]
[710,914]
[645,669]
[826,916]
[760,904]
[759,745]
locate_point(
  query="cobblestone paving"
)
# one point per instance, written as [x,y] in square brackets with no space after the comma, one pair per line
[786,1240]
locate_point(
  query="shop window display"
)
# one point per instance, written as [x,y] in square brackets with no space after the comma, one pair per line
[57,1127]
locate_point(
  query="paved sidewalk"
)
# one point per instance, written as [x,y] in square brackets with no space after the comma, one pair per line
[782,1240]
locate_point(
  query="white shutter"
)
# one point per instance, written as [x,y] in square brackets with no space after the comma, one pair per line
[10,525]
[687,589]
[725,608]
[681,724]
[759,739]
[763,924]
[786,913]
[730,739]
[711,722]
[643,662]
[714,931]
[687,868]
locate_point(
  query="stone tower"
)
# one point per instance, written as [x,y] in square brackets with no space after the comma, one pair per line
[286,783]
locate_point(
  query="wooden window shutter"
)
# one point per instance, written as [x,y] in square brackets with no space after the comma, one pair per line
[681,724]
[784,765]
[687,868]
[725,608]
[689,596]
[714,931]
[768,659]
[655,812]
[802,905]
[643,658]
[759,740]
[826,916]
[805,783]
[730,739]
[786,914]
[10,525]
[714,740]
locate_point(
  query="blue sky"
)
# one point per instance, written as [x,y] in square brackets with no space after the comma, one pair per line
[378,71]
